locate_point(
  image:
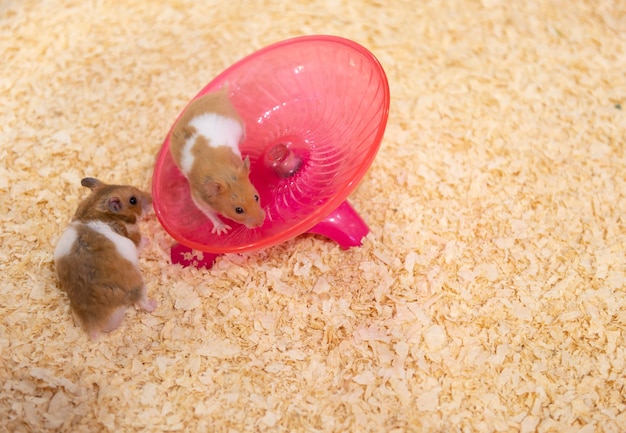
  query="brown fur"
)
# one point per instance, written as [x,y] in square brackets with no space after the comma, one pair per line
[99,281]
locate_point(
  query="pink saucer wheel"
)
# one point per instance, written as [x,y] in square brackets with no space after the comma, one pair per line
[315,110]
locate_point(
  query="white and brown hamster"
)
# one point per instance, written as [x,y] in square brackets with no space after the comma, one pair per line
[97,255]
[204,144]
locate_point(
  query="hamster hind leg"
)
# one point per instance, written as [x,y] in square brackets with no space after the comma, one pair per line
[114,320]
[146,303]
[139,297]
[111,323]
[136,292]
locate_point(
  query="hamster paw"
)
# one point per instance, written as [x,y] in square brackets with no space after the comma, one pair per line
[148,305]
[220,228]
[143,243]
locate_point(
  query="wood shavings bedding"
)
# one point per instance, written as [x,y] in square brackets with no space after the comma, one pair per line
[489,296]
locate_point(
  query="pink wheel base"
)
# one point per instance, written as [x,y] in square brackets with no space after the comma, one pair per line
[343,226]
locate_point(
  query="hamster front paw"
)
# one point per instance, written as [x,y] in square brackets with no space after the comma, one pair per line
[220,228]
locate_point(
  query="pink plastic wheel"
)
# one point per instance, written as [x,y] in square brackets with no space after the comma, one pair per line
[315,110]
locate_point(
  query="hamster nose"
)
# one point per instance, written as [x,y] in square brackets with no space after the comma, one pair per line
[256,222]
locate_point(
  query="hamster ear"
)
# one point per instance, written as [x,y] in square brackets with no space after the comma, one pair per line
[214,187]
[246,164]
[91,183]
[115,204]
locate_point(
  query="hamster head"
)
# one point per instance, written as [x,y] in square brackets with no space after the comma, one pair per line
[113,202]
[235,198]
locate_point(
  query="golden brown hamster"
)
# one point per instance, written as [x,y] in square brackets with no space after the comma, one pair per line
[204,144]
[97,255]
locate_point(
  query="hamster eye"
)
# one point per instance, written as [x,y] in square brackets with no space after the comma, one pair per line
[133,200]
[239,210]
[256,198]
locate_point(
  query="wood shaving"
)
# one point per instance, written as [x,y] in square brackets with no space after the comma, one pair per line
[489,295]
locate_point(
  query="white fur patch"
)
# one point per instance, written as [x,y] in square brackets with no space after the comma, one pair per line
[186,159]
[218,130]
[124,246]
[64,245]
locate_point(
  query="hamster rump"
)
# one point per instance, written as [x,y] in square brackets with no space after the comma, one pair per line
[98,270]
[96,257]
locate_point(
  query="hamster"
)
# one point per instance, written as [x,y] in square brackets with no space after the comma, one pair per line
[204,144]
[96,257]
